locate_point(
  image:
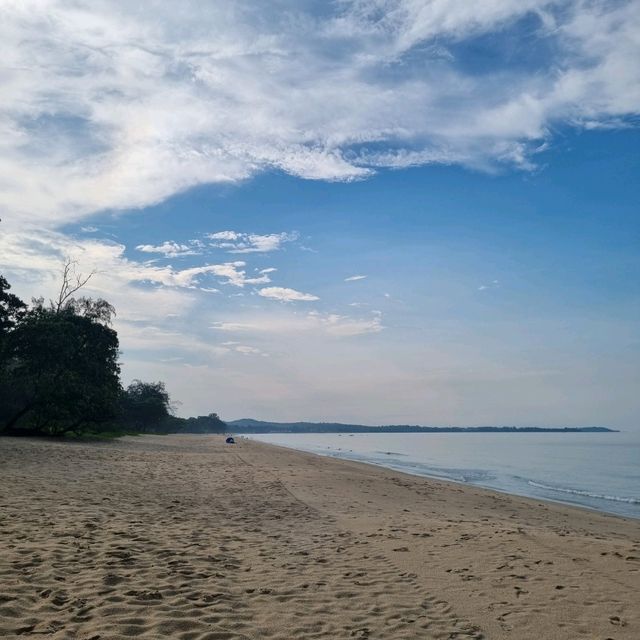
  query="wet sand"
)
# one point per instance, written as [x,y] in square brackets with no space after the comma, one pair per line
[186,537]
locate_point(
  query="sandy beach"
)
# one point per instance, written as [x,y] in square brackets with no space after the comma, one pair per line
[186,537]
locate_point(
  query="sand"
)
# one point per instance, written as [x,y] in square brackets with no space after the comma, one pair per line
[186,537]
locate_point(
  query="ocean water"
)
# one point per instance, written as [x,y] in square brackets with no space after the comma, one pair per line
[599,471]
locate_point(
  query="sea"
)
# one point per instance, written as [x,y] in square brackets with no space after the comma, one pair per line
[599,471]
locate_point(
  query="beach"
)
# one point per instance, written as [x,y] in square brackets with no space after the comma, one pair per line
[187,537]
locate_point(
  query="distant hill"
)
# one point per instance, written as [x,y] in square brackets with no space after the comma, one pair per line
[249,425]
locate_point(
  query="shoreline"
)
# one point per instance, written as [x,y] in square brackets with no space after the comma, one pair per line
[502,480]
[462,483]
[186,537]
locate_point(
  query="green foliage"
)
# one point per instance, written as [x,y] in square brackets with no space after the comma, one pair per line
[64,371]
[59,372]
[204,424]
[11,308]
[145,405]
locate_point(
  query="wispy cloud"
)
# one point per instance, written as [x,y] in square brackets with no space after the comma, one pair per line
[285,294]
[354,278]
[232,272]
[229,241]
[38,254]
[494,284]
[169,249]
[244,349]
[123,108]
[235,242]
[32,260]
[316,322]
[340,325]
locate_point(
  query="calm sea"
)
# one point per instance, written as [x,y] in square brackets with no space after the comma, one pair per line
[596,470]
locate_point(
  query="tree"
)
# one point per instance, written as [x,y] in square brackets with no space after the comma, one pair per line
[145,405]
[205,424]
[11,308]
[60,368]
[71,282]
[64,368]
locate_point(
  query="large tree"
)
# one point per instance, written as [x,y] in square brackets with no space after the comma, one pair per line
[59,368]
[64,369]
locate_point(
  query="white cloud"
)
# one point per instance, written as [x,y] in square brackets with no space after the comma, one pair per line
[154,338]
[234,242]
[32,260]
[232,272]
[314,322]
[354,278]
[340,325]
[494,284]
[154,323]
[37,255]
[285,294]
[106,106]
[169,249]
[246,350]
[230,241]
[223,235]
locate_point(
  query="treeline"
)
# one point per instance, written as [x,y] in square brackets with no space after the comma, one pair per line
[248,425]
[60,375]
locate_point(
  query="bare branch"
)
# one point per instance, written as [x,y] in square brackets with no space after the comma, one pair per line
[71,282]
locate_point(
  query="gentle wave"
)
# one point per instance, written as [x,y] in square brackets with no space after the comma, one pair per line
[412,468]
[587,494]
[509,464]
[467,476]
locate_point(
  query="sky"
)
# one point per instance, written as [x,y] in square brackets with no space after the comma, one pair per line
[379,212]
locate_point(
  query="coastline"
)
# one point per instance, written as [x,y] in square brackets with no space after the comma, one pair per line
[602,492]
[183,536]
[436,478]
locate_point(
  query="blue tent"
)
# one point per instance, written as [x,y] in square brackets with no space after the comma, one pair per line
[230,440]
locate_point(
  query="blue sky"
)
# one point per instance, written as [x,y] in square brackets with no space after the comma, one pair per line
[380,212]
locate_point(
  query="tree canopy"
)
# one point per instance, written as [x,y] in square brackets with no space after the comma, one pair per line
[60,371]
[11,308]
[64,371]
[145,404]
